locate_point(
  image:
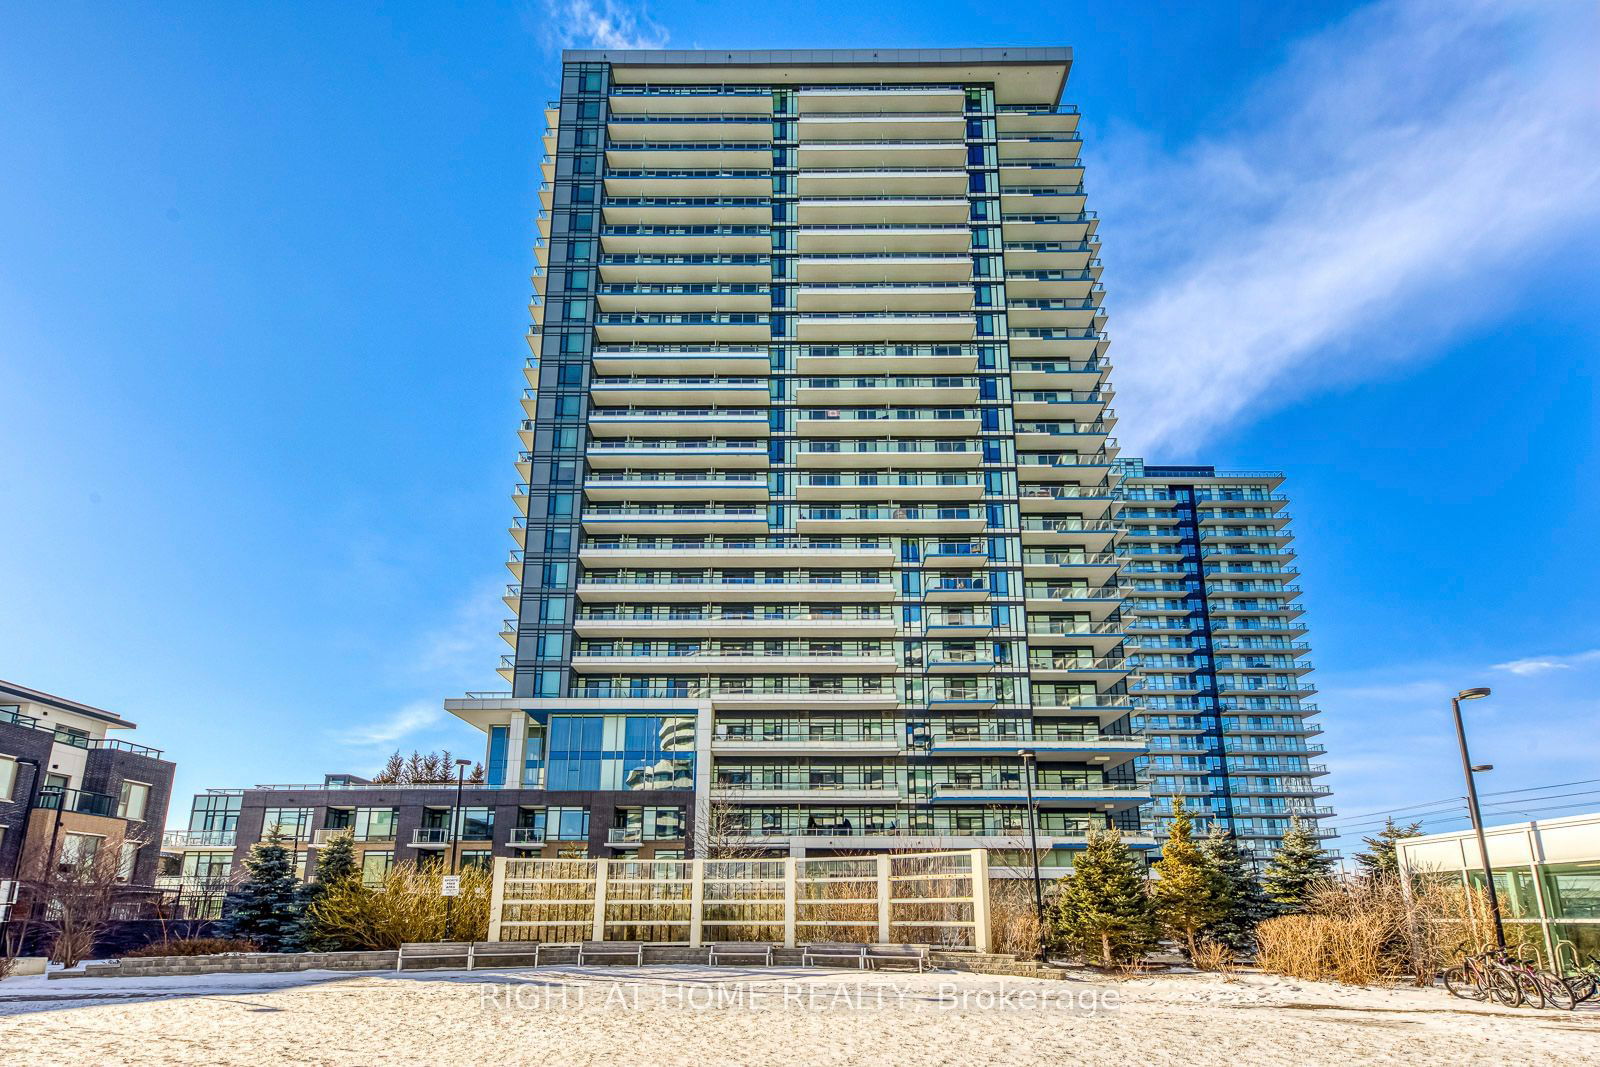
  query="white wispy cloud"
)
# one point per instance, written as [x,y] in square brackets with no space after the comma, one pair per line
[599,24]
[394,727]
[1378,192]
[1534,665]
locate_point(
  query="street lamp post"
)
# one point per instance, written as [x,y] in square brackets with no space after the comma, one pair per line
[455,835]
[1477,815]
[1028,763]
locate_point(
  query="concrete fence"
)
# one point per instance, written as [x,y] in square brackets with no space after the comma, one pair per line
[930,898]
[234,963]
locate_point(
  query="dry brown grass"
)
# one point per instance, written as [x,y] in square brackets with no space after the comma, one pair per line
[1014,918]
[1370,932]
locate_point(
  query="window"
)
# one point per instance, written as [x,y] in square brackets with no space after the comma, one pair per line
[293,823]
[215,812]
[481,858]
[131,801]
[8,777]
[127,861]
[375,868]
[78,850]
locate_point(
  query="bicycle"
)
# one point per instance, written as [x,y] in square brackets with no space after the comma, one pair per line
[1476,978]
[1541,988]
[1585,980]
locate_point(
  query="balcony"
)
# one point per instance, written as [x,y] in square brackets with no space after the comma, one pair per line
[885,325]
[873,180]
[674,519]
[640,127]
[527,836]
[875,264]
[1107,796]
[662,297]
[198,839]
[685,239]
[868,152]
[803,789]
[665,589]
[786,621]
[879,126]
[696,264]
[690,155]
[743,663]
[676,453]
[878,519]
[650,360]
[679,422]
[678,210]
[430,837]
[893,452]
[890,389]
[371,837]
[947,588]
[800,741]
[885,297]
[891,206]
[649,100]
[889,486]
[710,327]
[737,551]
[1104,749]
[851,422]
[869,694]
[648,485]
[79,801]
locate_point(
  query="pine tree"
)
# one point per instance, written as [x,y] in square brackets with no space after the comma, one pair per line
[1297,870]
[1103,909]
[1188,893]
[1383,861]
[1243,904]
[267,906]
[336,865]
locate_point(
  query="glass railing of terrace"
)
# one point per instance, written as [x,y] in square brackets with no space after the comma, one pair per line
[81,801]
[797,542]
[875,512]
[752,649]
[682,318]
[888,481]
[684,259]
[685,289]
[1049,661]
[602,478]
[900,446]
[887,415]
[819,730]
[784,578]
[672,511]
[689,146]
[890,381]
[1066,429]
[1044,626]
[644,687]
[1063,459]
[1059,366]
[731,776]
[1048,524]
[679,444]
[736,613]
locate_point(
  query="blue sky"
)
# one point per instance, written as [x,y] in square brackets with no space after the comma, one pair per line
[263,280]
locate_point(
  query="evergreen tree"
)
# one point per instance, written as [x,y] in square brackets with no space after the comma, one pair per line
[1297,870]
[267,906]
[1383,861]
[336,865]
[1243,904]
[1103,910]
[1188,893]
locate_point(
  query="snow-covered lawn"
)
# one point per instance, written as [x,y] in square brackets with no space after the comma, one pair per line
[707,1017]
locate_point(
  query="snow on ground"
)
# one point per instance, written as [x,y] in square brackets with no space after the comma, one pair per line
[710,1016]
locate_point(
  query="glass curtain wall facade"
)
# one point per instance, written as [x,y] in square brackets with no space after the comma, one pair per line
[1216,638]
[817,430]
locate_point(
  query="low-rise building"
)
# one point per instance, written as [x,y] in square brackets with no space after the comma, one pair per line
[1546,874]
[68,790]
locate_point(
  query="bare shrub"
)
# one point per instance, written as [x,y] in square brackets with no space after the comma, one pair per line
[1209,955]
[194,946]
[1014,917]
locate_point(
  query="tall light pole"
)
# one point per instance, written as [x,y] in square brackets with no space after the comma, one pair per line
[1477,816]
[455,835]
[1028,762]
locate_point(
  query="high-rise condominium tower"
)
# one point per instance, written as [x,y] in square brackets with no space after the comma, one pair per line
[1216,638]
[817,437]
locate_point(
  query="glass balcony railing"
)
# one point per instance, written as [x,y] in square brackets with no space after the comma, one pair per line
[81,801]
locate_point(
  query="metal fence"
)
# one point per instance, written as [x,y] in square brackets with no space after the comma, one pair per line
[927,898]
